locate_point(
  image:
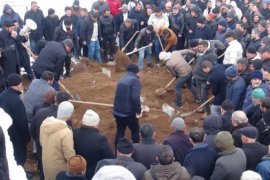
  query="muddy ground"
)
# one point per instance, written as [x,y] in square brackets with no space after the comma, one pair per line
[90,84]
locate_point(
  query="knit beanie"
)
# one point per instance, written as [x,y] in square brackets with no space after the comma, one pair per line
[231,14]
[68,8]
[113,172]
[76,164]
[258,93]
[65,110]
[231,71]
[257,74]
[14,79]
[164,56]
[124,146]
[90,118]
[178,124]
[224,141]
[251,50]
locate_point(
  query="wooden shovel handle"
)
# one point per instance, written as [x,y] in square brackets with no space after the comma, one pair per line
[91,103]
[173,79]
[62,86]
[203,104]
[130,39]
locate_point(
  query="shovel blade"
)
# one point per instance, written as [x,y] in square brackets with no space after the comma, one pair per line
[168,110]
[106,71]
[186,114]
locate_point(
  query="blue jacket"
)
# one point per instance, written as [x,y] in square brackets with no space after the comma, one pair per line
[218,82]
[263,168]
[248,105]
[236,92]
[200,161]
[127,96]
[203,33]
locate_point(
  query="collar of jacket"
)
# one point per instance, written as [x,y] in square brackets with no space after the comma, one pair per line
[14,91]
[267,157]
[199,146]
[89,128]
[133,74]
[124,158]
[148,141]
[252,145]
[228,152]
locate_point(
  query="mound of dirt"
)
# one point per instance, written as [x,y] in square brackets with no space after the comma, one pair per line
[121,61]
[91,85]
[85,65]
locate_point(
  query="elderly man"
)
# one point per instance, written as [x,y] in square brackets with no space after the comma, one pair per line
[232,160]
[181,70]
[239,121]
[178,140]
[56,140]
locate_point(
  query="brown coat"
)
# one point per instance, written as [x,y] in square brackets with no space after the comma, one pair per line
[172,171]
[172,40]
[56,139]
[177,65]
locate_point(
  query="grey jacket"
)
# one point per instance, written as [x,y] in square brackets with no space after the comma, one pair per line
[230,165]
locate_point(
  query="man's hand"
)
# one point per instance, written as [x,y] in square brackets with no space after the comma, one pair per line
[190,31]
[135,49]
[139,115]
[84,42]
[14,34]
[150,45]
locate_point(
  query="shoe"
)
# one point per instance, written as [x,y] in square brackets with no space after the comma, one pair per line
[150,65]
[67,75]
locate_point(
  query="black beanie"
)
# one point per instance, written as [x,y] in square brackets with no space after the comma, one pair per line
[124,146]
[14,79]
[133,68]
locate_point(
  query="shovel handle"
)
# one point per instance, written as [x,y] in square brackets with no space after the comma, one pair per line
[130,39]
[137,50]
[91,103]
[203,104]
[62,86]
[173,79]
[160,42]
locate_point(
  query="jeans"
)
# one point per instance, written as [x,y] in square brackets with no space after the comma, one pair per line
[133,124]
[180,82]
[147,53]
[94,51]
[157,48]
[203,89]
[33,44]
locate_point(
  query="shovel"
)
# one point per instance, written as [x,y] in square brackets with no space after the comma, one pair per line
[137,50]
[161,91]
[106,71]
[192,112]
[63,87]
[91,103]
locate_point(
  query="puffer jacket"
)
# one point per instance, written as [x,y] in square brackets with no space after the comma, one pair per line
[56,139]
[172,171]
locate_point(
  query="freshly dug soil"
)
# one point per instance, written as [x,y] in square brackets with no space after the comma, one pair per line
[91,85]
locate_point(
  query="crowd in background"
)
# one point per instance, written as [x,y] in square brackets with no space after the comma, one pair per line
[229,45]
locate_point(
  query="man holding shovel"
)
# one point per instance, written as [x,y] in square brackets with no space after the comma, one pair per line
[181,70]
[127,104]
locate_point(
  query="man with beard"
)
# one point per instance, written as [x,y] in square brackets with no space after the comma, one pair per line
[255,39]
[9,15]
[9,60]
[244,31]
[127,30]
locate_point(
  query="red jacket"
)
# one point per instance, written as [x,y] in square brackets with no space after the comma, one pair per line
[114,6]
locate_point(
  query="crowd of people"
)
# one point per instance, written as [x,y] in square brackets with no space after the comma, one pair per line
[227,41]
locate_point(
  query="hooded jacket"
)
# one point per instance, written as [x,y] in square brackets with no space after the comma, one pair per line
[56,139]
[10,17]
[172,171]
[233,52]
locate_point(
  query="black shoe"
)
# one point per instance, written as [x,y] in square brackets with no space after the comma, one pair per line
[67,75]
[150,65]
[174,103]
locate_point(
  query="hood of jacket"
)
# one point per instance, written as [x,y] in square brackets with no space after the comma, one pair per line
[167,171]
[64,27]
[6,7]
[52,125]
[212,124]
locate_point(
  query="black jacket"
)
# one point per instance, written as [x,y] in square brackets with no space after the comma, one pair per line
[4,172]
[107,26]
[61,33]
[11,102]
[144,38]
[126,33]
[177,23]
[63,175]
[237,135]
[93,146]
[254,153]
[86,29]
[118,19]
[9,59]
[49,26]
[218,82]
[227,122]
[38,18]
[51,58]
